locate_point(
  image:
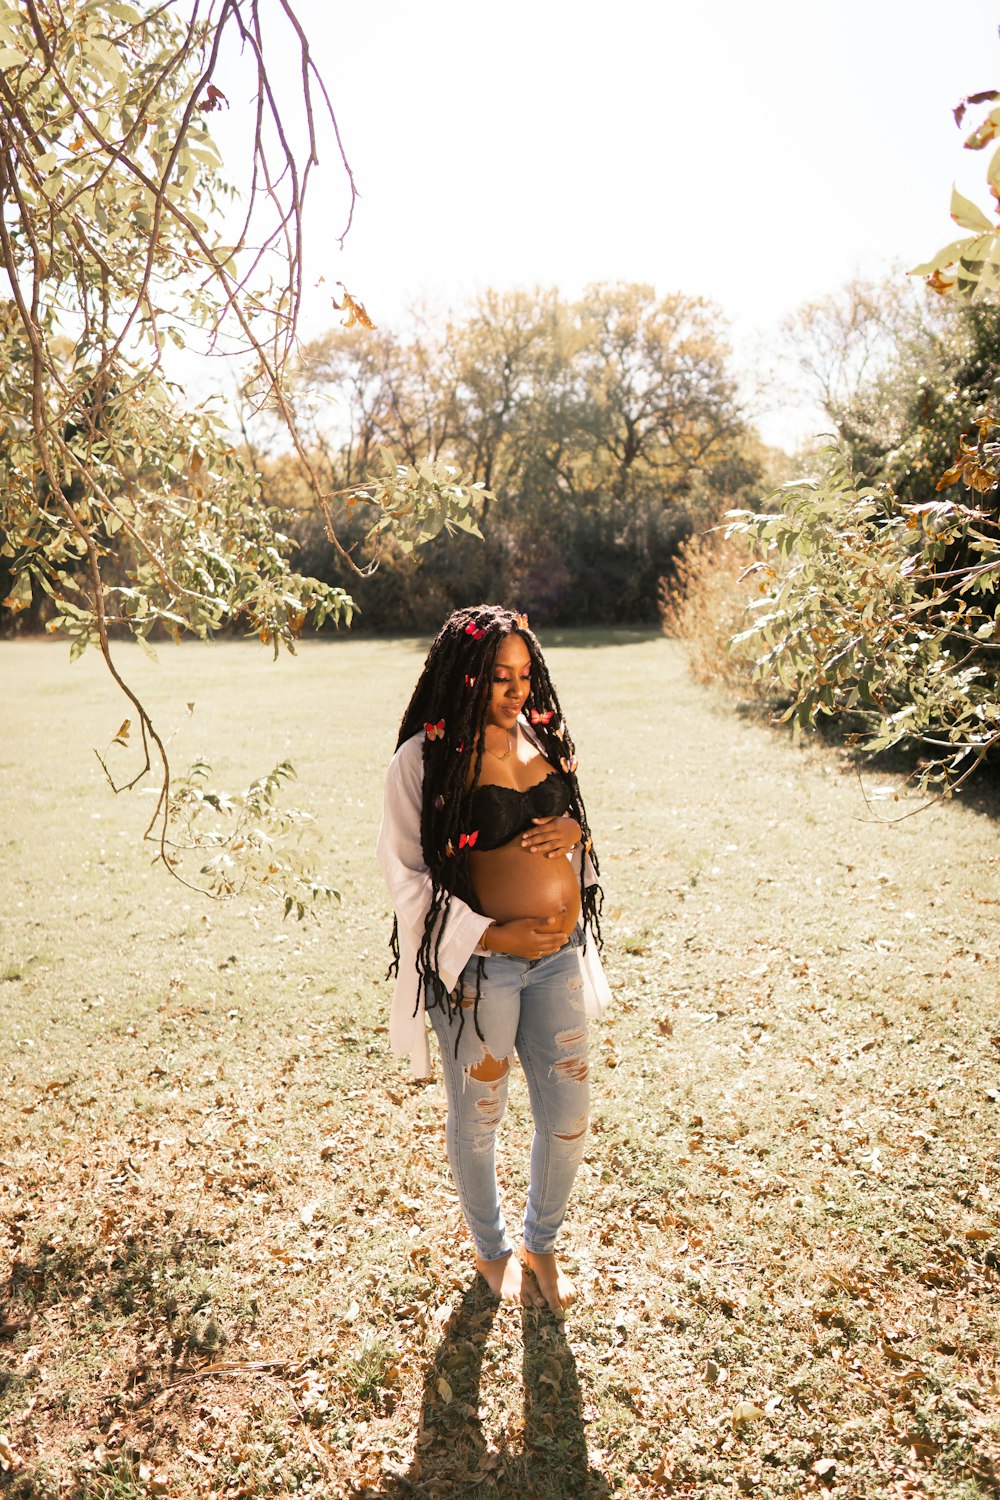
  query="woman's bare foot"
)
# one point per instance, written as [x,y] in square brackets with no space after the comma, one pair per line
[553,1283]
[506,1280]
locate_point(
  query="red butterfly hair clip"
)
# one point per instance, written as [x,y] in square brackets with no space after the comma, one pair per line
[468,839]
[545,718]
[473,629]
[470,682]
[435,731]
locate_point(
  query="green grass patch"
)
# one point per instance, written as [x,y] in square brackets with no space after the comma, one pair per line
[236,1264]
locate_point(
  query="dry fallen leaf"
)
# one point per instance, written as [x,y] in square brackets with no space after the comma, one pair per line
[747,1411]
[924,1449]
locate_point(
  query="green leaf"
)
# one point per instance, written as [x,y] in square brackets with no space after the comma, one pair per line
[993,170]
[20,595]
[946,257]
[967,215]
[109,55]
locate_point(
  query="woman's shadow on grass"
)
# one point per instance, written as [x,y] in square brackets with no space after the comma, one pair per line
[452,1458]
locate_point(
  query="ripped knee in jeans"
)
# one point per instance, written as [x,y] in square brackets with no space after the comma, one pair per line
[577,1133]
[489,1069]
[491,1105]
[574,1066]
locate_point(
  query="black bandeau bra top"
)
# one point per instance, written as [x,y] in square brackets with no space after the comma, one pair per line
[500,813]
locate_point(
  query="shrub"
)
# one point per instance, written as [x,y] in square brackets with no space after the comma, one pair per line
[705,603]
[884,615]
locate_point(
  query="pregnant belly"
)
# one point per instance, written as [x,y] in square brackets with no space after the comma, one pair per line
[510,882]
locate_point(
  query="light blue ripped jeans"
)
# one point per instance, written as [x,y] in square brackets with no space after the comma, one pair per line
[536,1009]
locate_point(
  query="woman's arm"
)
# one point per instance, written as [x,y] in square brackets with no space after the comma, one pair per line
[401,859]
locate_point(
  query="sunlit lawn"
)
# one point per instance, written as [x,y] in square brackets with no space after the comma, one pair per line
[237,1266]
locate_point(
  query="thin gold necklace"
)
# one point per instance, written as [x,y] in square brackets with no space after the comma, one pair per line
[507,753]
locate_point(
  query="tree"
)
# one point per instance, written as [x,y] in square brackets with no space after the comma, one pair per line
[662,404]
[880,603]
[129,508]
[898,374]
[902,427]
[662,427]
[607,425]
[845,343]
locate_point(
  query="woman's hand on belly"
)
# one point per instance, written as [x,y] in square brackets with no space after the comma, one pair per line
[552,837]
[525,937]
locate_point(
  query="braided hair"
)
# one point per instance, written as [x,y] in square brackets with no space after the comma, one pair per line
[449,707]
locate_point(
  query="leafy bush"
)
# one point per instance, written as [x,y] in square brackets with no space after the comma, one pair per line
[705,605]
[881,614]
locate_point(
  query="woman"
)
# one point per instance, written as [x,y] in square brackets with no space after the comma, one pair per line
[485,849]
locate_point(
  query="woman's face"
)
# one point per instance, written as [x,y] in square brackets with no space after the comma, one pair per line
[511,682]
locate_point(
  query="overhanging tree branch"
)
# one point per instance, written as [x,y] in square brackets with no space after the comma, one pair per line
[111,244]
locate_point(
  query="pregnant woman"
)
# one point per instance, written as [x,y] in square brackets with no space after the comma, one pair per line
[486,852]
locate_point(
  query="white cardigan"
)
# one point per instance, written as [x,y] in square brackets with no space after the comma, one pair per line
[401,858]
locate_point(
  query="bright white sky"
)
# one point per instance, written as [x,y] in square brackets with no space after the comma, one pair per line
[759,154]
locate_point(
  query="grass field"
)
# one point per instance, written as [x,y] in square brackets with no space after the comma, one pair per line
[234,1261]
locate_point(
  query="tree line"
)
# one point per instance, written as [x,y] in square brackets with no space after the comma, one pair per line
[603,430]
